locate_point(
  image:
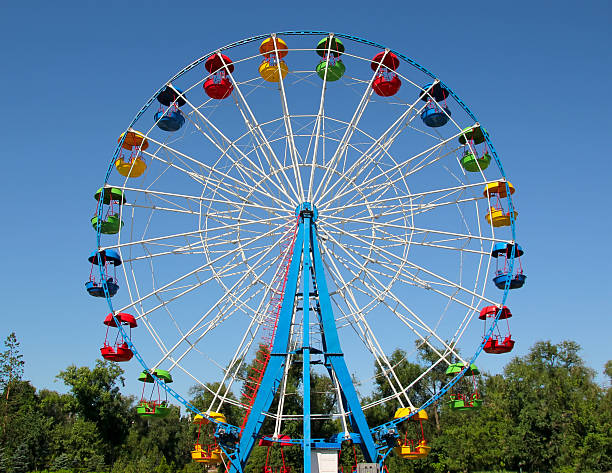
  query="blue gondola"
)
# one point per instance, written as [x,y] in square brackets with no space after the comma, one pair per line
[106,256]
[502,276]
[169,117]
[516,281]
[435,116]
[438,92]
[95,289]
[169,120]
[436,112]
[95,284]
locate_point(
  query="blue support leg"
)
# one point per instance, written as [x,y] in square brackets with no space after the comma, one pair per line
[306,260]
[274,370]
[336,358]
[306,345]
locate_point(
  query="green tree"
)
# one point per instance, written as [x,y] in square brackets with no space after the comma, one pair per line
[24,428]
[54,405]
[608,370]
[21,459]
[11,364]
[63,461]
[5,463]
[545,413]
[551,401]
[80,446]
[170,436]
[96,398]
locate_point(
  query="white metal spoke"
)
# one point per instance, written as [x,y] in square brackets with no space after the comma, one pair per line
[411,196]
[230,179]
[376,295]
[198,269]
[368,336]
[256,130]
[350,129]
[397,242]
[288,128]
[318,122]
[227,293]
[382,251]
[397,167]
[411,228]
[381,145]
[253,168]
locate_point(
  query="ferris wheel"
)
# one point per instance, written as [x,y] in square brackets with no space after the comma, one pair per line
[311,200]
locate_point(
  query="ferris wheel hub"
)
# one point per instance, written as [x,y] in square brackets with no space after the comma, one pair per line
[306,209]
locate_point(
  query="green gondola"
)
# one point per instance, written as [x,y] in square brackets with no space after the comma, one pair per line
[476,134]
[456,368]
[335,70]
[336,48]
[154,408]
[472,163]
[110,193]
[108,196]
[110,226]
[458,401]
[163,375]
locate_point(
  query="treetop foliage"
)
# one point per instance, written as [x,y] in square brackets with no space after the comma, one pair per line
[544,413]
[11,364]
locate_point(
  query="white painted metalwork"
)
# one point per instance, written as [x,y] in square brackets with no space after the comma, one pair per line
[399,225]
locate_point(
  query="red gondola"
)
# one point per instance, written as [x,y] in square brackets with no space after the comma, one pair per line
[386,83]
[119,349]
[284,467]
[219,85]
[500,342]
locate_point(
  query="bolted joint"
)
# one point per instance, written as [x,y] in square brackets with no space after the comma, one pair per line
[307,210]
[227,435]
[388,436]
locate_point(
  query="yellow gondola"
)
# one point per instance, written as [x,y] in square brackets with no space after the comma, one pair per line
[200,419]
[498,218]
[210,456]
[404,411]
[135,167]
[134,142]
[410,452]
[412,449]
[270,72]
[273,68]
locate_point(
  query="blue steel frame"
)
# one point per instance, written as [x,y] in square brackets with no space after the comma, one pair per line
[228,434]
[306,262]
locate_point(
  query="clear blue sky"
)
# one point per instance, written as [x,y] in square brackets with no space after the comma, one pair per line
[75,73]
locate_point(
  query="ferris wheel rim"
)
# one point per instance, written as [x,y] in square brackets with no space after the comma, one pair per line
[311,33]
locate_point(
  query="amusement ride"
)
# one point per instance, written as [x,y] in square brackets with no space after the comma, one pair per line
[304,203]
